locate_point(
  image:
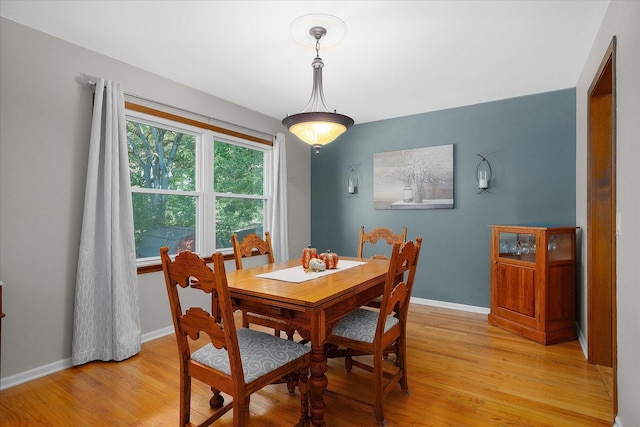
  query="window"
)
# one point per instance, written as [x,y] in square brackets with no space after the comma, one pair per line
[192,188]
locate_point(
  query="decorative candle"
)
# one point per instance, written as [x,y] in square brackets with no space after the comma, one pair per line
[351,187]
[482,179]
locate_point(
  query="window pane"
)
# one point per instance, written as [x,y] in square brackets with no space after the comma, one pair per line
[161,158]
[240,216]
[238,170]
[163,220]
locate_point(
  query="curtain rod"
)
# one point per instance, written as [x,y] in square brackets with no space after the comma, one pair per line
[92,81]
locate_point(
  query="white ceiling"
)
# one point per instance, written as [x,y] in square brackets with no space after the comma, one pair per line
[396,58]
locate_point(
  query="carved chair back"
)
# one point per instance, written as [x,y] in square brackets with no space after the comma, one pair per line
[249,243]
[380,233]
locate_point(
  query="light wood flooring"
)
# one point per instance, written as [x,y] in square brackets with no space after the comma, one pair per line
[462,372]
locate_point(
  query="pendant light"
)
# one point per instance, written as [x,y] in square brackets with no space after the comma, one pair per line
[316,125]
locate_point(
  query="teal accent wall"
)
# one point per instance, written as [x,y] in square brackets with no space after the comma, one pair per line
[533,142]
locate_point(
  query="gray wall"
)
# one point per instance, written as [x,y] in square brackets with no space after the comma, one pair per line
[45,118]
[622,20]
[533,143]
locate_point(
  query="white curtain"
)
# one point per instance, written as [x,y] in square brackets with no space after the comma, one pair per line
[106,313]
[279,233]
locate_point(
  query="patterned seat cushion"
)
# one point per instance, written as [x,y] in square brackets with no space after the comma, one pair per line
[259,351]
[360,325]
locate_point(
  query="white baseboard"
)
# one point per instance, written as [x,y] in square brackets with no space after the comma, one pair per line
[617,422]
[150,336]
[451,305]
[32,374]
[583,341]
[51,368]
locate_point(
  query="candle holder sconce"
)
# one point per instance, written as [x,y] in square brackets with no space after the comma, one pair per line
[483,173]
[351,180]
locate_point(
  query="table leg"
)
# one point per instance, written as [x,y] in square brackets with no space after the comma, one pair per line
[317,384]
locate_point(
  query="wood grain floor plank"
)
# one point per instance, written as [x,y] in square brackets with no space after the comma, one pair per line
[462,372]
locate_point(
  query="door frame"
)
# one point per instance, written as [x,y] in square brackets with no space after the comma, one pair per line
[601,217]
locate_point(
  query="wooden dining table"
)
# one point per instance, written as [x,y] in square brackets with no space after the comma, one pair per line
[313,307]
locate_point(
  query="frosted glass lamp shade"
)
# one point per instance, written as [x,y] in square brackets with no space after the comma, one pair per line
[317,128]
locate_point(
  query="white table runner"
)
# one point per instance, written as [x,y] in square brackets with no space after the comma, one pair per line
[298,275]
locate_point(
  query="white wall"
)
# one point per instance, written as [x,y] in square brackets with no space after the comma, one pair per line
[622,20]
[45,118]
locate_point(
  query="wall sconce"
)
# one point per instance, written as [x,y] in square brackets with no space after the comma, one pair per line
[483,173]
[351,180]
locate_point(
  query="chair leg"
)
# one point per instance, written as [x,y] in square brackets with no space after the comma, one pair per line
[292,380]
[303,385]
[217,400]
[185,400]
[379,392]
[241,412]
[348,362]
[401,357]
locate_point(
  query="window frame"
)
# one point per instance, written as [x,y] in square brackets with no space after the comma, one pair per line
[205,135]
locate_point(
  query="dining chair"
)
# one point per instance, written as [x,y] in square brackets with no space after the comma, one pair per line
[366,331]
[237,362]
[372,237]
[263,246]
[244,249]
[380,233]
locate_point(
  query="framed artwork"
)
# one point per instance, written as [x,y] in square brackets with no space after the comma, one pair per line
[420,178]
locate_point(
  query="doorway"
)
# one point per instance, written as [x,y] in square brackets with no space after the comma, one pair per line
[601,218]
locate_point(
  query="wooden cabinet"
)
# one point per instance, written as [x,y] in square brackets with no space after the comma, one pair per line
[533,282]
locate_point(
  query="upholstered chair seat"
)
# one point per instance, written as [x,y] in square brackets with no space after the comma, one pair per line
[260,354]
[360,325]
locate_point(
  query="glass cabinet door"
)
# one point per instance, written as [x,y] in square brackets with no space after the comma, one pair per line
[560,247]
[521,246]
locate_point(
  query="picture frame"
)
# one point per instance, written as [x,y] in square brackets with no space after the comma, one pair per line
[418,178]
